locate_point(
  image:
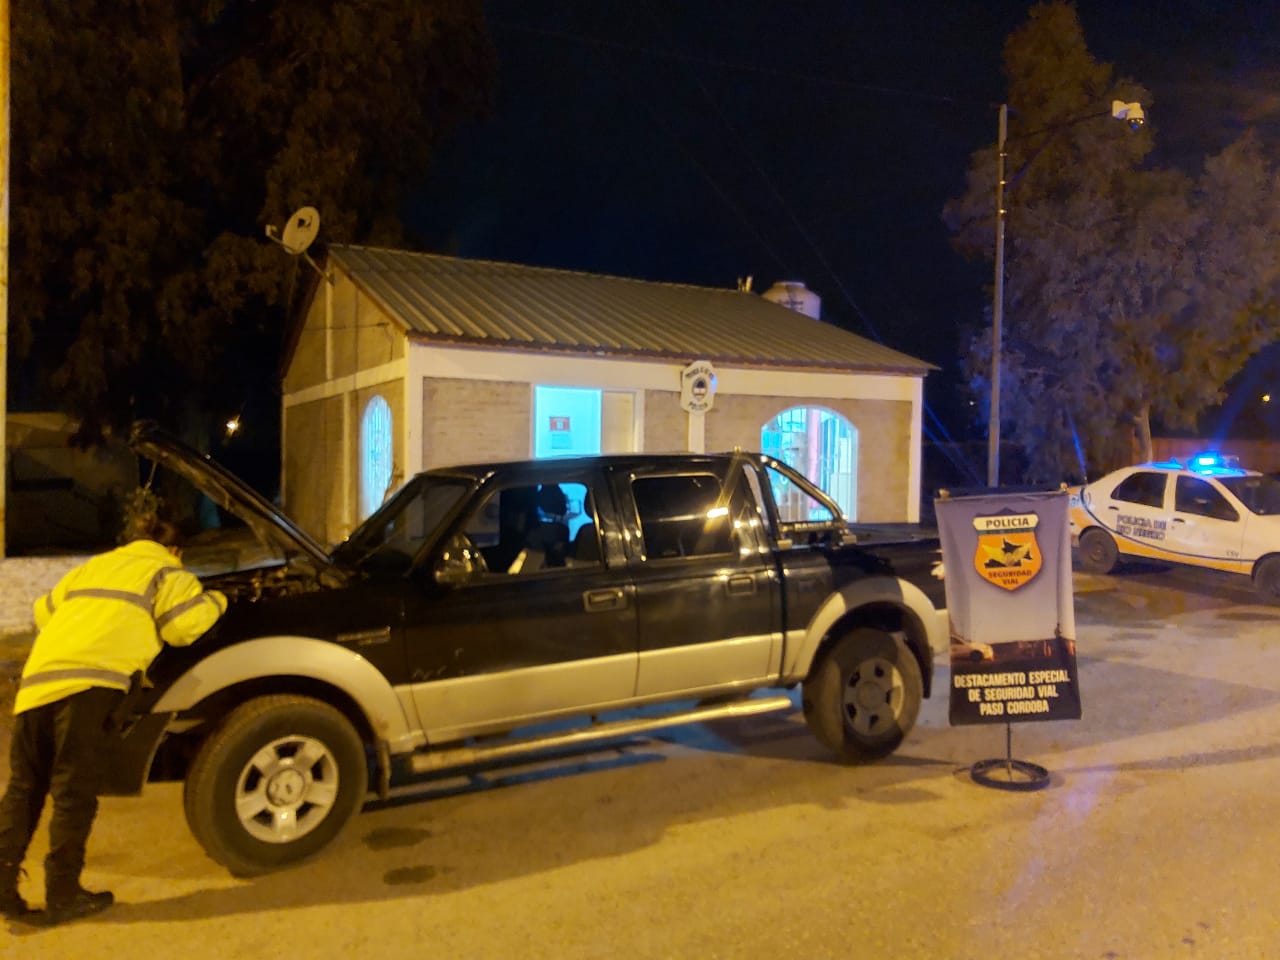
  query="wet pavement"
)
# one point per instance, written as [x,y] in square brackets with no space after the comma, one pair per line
[1155,838]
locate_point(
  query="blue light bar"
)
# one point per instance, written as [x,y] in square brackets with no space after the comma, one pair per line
[1214,464]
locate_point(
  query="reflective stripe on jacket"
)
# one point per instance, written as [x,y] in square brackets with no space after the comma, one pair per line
[110,617]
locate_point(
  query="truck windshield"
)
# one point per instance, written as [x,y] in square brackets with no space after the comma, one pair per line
[400,528]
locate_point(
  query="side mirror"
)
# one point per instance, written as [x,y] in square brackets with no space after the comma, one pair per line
[459,563]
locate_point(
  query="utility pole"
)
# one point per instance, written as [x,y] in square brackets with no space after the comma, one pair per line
[1135,117]
[4,263]
[997,309]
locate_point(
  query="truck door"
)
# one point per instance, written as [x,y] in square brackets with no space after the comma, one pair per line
[708,600]
[542,622]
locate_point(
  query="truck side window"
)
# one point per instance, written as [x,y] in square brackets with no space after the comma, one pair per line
[794,505]
[761,514]
[527,528]
[684,516]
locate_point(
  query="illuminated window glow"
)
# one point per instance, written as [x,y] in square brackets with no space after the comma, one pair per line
[821,445]
[375,455]
[566,422]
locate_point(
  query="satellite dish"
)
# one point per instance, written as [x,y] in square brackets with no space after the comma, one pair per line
[299,233]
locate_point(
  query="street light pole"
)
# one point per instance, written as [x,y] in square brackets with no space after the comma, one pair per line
[4,260]
[997,310]
[1132,114]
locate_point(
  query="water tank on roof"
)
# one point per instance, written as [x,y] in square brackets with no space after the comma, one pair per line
[794,295]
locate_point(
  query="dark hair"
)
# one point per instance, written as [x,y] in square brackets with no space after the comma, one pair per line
[167,534]
[164,533]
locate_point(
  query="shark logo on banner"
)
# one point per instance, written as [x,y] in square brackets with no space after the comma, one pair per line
[1007,553]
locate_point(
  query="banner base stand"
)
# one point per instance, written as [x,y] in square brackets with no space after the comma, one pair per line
[1008,773]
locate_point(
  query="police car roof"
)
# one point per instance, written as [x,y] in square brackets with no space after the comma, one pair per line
[1205,465]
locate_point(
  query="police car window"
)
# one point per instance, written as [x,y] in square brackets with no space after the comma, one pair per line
[685,516]
[1143,488]
[1261,494]
[1196,496]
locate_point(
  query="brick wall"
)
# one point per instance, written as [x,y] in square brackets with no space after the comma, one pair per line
[883,434]
[22,581]
[474,421]
[313,448]
[666,426]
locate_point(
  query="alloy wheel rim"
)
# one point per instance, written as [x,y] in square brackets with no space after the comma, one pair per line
[286,789]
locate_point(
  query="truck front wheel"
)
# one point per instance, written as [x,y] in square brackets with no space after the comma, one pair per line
[863,698]
[275,783]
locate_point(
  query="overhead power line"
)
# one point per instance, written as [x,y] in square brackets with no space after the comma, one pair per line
[603,43]
[933,425]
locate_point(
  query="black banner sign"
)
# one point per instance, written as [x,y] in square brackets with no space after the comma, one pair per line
[1007,557]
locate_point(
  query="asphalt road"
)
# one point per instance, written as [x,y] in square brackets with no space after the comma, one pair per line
[1157,836]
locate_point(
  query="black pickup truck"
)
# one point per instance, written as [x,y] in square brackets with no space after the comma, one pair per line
[615,594]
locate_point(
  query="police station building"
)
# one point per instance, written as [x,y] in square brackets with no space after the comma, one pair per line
[403,361]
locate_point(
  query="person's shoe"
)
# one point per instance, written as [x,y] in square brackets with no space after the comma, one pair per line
[81,903]
[13,907]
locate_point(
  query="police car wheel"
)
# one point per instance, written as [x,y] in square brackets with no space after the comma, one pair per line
[863,698]
[275,783]
[1098,552]
[1266,580]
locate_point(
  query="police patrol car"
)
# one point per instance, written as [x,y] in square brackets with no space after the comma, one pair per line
[1206,512]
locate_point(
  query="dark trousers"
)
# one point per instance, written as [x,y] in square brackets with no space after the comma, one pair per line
[57,750]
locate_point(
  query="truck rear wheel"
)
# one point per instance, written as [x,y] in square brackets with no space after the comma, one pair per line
[276,782]
[863,698]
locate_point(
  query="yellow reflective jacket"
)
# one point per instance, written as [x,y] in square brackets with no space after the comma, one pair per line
[109,617]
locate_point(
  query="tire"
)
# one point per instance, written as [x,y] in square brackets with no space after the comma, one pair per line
[1098,552]
[863,698]
[1266,580]
[250,803]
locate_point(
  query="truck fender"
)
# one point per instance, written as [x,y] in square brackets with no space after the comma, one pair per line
[298,657]
[862,593]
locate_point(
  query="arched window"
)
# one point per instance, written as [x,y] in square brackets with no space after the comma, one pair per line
[820,444]
[375,455]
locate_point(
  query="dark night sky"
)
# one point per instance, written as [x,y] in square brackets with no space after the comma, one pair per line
[705,141]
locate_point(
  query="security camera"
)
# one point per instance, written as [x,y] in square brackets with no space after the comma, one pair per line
[1130,112]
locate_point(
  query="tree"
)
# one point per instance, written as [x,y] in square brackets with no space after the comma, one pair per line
[154,140]
[1132,294]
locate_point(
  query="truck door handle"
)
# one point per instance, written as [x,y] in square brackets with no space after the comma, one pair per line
[611,599]
[741,585]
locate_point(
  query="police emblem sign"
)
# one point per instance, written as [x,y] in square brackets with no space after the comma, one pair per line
[1010,604]
[1007,553]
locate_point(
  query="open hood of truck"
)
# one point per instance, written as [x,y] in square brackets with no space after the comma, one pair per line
[230,493]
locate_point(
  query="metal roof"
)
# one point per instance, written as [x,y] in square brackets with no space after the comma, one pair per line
[508,305]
